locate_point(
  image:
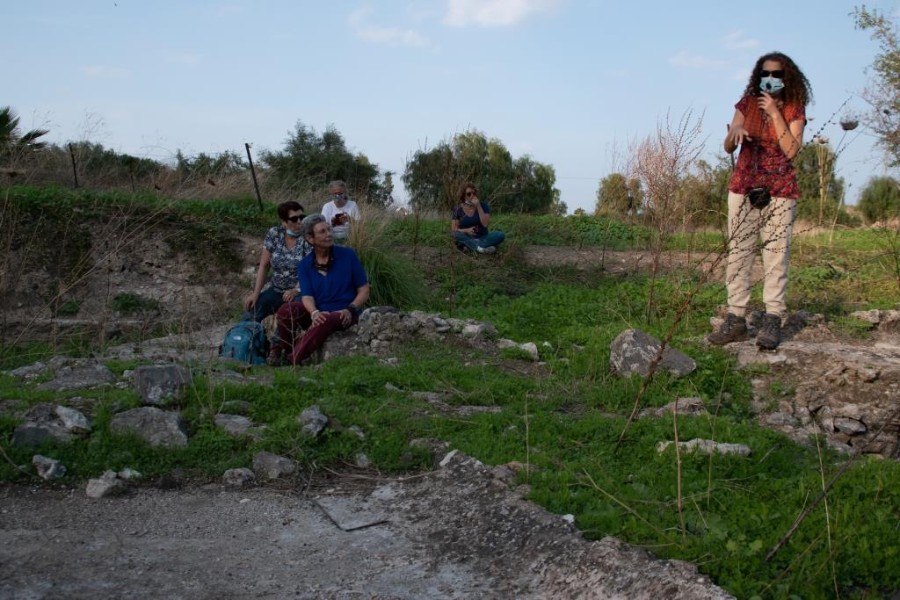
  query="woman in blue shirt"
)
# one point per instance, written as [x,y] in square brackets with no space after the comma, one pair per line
[469,223]
[333,289]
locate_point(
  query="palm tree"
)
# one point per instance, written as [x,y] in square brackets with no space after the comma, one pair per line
[13,143]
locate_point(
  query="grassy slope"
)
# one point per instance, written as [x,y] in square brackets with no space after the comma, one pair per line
[565,422]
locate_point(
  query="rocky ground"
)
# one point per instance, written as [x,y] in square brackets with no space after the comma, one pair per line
[458,532]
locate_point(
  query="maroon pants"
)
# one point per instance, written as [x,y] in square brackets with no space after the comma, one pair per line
[292,318]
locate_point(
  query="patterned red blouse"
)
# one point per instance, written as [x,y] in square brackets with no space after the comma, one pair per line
[762,161]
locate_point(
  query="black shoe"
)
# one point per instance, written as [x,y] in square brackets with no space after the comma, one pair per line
[733,329]
[769,335]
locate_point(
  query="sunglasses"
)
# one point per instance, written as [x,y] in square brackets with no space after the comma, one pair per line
[295,218]
[339,196]
[470,193]
[776,73]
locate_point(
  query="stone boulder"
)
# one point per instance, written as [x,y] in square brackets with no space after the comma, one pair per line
[46,422]
[154,426]
[634,351]
[162,385]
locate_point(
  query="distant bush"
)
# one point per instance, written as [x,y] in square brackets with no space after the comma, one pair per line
[880,200]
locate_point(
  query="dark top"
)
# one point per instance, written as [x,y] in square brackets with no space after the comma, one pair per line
[465,221]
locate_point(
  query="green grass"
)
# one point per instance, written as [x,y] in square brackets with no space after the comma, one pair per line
[568,419]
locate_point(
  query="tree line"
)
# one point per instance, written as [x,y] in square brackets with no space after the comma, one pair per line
[666,175]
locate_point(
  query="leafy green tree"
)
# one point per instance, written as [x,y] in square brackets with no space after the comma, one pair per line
[309,161]
[14,143]
[883,92]
[383,195]
[531,188]
[558,208]
[99,166]
[433,177]
[704,193]
[429,177]
[880,199]
[618,195]
[204,166]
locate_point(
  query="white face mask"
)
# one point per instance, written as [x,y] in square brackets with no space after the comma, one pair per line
[771,85]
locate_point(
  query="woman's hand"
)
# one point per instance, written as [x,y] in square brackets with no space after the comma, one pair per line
[736,136]
[250,300]
[318,317]
[768,104]
[289,295]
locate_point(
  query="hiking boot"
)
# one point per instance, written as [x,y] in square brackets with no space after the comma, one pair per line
[733,329]
[769,335]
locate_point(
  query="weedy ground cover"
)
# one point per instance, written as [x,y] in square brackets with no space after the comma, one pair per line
[566,417]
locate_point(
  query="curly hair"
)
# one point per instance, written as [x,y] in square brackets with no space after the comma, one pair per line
[466,186]
[797,89]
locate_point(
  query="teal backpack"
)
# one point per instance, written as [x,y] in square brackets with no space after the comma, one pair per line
[245,342]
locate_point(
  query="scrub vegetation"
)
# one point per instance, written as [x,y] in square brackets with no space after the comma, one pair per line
[565,418]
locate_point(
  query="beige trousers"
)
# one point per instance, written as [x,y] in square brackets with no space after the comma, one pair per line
[773,226]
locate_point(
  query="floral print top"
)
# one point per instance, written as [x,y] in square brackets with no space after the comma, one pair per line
[284,259]
[762,162]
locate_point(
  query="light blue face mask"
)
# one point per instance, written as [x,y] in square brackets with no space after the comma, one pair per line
[771,85]
[292,233]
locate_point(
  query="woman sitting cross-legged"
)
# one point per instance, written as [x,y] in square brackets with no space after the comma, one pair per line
[333,289]
[469,223]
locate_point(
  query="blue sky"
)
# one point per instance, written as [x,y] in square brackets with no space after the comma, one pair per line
[572,83]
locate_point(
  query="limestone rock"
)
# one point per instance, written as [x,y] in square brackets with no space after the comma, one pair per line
[107,484]
[48,468]
[633,351]
[155,426]
[162,385]
[272,466]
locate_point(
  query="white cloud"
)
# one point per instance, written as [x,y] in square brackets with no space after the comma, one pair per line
[393,36]
[495,13]
[694,61]
[105,72]
[736,41]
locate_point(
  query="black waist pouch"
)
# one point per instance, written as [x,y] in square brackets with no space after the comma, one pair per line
[759,197]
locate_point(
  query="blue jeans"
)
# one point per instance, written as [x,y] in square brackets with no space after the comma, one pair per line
[494,238]
[268,303]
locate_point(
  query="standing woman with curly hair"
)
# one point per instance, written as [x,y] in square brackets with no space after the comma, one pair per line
[768,127]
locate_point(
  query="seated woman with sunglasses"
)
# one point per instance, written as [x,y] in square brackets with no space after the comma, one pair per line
[283,248]
[340,211]
[469,223]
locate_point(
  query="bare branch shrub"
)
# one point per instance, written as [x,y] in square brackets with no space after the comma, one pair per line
[661,162]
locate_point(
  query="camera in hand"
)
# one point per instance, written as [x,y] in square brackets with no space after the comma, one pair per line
[759,197]
[340,219]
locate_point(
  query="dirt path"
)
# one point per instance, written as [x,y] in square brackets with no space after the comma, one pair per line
[457,532]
